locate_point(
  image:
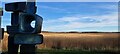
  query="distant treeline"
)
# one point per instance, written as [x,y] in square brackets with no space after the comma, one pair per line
[78,32]
[75,32]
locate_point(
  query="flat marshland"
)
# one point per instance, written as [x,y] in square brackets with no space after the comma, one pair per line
[76,41]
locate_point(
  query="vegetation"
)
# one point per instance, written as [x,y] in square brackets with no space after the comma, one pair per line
[76,43]
[74,52]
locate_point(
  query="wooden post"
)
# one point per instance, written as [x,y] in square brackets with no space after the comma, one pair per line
[1,13]
[1,29]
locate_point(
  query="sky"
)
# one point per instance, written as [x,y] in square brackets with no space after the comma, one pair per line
[63,0]
[75,16]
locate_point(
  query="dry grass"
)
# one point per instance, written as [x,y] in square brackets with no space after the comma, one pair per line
[88,41]
[84,41]
[4,42]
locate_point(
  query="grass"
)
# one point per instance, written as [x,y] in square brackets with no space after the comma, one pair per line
[78,43]
[52,51]
[85,41]
[74,52]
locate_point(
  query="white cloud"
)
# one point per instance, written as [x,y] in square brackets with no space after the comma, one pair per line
[53,8]
[69,19]
[74,22]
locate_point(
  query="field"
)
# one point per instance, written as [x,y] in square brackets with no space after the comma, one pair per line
[77,42]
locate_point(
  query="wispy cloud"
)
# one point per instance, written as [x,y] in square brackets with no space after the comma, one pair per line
[80,7]
[53,8]
[77,22]
[83,16]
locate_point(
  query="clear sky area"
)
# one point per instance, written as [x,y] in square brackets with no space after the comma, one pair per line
[75,16]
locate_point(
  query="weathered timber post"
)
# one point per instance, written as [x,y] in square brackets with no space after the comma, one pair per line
[1,29]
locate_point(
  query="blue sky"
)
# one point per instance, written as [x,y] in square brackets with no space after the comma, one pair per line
[62,0]
[75,16]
